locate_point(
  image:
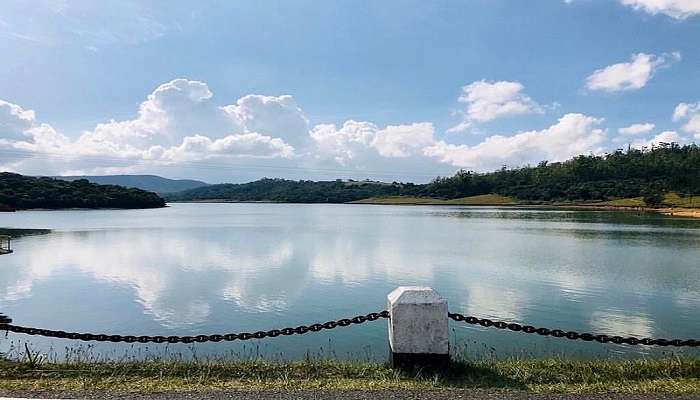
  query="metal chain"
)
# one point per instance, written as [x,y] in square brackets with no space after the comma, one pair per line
[299,330]
[586,337]
[5,324]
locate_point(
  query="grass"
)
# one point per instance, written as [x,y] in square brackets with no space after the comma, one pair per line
[675,200]
[630,202]
[670,199]
[481,200]
[670,375]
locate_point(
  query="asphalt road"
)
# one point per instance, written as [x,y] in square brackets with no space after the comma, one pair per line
[347,395]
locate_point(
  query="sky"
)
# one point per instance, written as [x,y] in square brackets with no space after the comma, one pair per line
[232,91]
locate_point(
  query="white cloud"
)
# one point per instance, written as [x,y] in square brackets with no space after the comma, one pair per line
[663,137]
[247,145]
[20,131]
[632,75]
[488,100]
[180,126]
[636,129]
[403,140]
[679,9]
[572,135]
[14,121]
[177,122]
[689,112]
[269,115]
[354,140]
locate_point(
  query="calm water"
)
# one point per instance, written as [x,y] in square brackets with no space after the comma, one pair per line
[211,268]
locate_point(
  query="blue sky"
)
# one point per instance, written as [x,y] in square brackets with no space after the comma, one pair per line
[232,91]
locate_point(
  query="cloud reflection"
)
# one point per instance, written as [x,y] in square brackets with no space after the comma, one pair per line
[619,322]
[174,276]
[506,304]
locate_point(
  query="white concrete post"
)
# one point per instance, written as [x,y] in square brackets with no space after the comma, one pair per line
[418,333]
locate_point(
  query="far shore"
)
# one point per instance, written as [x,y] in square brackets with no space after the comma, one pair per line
[81,209]
[475,201]
[507,203]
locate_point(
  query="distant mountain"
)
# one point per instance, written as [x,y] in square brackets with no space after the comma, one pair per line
[151,183]
[19,192]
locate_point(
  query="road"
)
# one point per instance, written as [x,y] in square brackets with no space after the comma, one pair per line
[350,395]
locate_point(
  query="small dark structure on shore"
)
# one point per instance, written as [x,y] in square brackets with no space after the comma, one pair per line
[5,245]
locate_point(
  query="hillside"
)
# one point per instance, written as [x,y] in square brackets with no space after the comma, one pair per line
[648,174]
[151,183]
[287,191]
[24,192]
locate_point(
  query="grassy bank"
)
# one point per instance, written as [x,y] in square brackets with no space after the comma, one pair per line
[540,376]
[482,200]
[674,205]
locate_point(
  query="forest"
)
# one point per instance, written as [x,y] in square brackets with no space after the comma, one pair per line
[647,173]
[18,192]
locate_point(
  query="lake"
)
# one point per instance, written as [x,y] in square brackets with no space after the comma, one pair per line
[218,268]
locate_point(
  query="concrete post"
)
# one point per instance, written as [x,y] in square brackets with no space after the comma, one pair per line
[418,328]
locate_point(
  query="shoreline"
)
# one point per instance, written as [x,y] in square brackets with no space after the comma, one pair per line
[84,209]
[666,211]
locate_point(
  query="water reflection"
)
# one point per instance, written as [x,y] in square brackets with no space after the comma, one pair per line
[208,268]
[174,276]
[612,321]
[496,302]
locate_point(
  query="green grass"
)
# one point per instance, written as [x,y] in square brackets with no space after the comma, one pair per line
[672,375]
[630,202]
[481,200]
[675,200]
[670,199]
[484,200]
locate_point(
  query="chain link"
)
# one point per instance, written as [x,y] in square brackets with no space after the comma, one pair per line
[299,330]
[5,324]
[571,335]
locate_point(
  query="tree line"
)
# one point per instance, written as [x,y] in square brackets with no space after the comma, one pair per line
[647,173]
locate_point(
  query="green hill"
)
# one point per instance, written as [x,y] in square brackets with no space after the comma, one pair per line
[151,183]
[288,191]
[648,174]
[24,192]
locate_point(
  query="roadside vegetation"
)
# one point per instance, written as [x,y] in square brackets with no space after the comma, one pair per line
[671,375]
[668,174]
[18,192]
